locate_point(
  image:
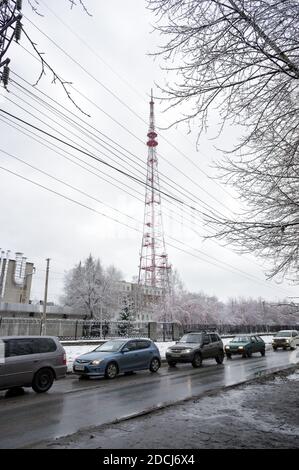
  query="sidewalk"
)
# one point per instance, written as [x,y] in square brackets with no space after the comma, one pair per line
[263,414]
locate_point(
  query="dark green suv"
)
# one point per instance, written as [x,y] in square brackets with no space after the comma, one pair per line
[194,347]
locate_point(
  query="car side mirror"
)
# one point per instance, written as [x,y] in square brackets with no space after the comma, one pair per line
[125,350]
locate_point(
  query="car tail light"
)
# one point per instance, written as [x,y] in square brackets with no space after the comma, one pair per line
[64,359]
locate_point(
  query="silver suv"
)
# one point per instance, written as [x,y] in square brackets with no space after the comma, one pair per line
[285,339]
[31,361]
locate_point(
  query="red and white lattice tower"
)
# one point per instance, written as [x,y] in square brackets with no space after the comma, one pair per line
[154,269]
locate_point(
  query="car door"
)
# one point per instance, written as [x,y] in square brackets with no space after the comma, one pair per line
[207,347]
[145,353]
[295,337]
[19,362]
[213,345]
[4,375]
[254,344]
[129,356]
[260,343]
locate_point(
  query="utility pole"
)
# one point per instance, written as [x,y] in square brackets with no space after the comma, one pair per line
[10,28]
[44,315]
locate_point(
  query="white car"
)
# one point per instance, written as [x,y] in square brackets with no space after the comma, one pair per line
[285,339]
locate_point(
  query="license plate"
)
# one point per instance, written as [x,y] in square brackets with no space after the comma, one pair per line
[175,354]
[80,367]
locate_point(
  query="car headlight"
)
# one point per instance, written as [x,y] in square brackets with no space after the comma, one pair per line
[287,341]
[96,362]
[187,351]
[240,347]
[168,350]
[227,347]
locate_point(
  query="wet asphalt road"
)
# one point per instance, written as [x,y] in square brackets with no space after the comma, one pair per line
[74,404]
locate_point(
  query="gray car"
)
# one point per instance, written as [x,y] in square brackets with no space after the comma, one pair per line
[194,347]
[31,361]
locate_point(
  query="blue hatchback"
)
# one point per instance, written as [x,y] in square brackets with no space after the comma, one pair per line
[119,356]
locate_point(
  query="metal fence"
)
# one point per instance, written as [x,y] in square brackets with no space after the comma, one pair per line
[228,329]
[159,331]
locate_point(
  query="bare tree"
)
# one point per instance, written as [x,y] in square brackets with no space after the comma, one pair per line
[11,28]
[242,57]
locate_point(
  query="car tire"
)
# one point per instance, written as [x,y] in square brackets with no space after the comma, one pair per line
[263,352]
[111,370]
[219,358]
[292,348]
[249,354]
[154,365]
[171,363]
[229,356]
[274,348]
[197,360]
[43,380]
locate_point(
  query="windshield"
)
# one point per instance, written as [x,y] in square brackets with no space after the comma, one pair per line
[111,346]
[241,339]
[191,338]
[284,333]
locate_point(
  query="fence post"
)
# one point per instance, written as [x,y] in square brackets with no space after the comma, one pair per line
[152,330]
[76,329]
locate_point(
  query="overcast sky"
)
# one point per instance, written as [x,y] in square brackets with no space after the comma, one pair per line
[106,58]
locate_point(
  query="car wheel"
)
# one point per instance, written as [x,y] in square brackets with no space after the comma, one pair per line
[154,365]
[263,352]
[171,363]
[197,360]
[249,353]
[274,348]
[111,370]
[292,348]
[229,356]
[219,358]
[42,380]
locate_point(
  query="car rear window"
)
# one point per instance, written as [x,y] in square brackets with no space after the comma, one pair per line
[19,347]
[25,347]
[44,345]
[214,337]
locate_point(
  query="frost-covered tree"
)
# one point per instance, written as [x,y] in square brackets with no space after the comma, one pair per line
[127,316]
[241,57]
[92,289]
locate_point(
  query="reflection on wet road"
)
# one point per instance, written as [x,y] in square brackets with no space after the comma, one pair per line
[74,404]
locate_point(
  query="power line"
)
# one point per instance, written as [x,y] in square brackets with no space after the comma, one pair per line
[137,92]
[93,147]
[64,117]
[90,155]
[217,264]
[128,107]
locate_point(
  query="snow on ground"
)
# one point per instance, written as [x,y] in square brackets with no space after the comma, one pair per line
[74,351]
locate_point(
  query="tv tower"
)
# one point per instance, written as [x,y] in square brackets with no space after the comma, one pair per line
[154,269]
